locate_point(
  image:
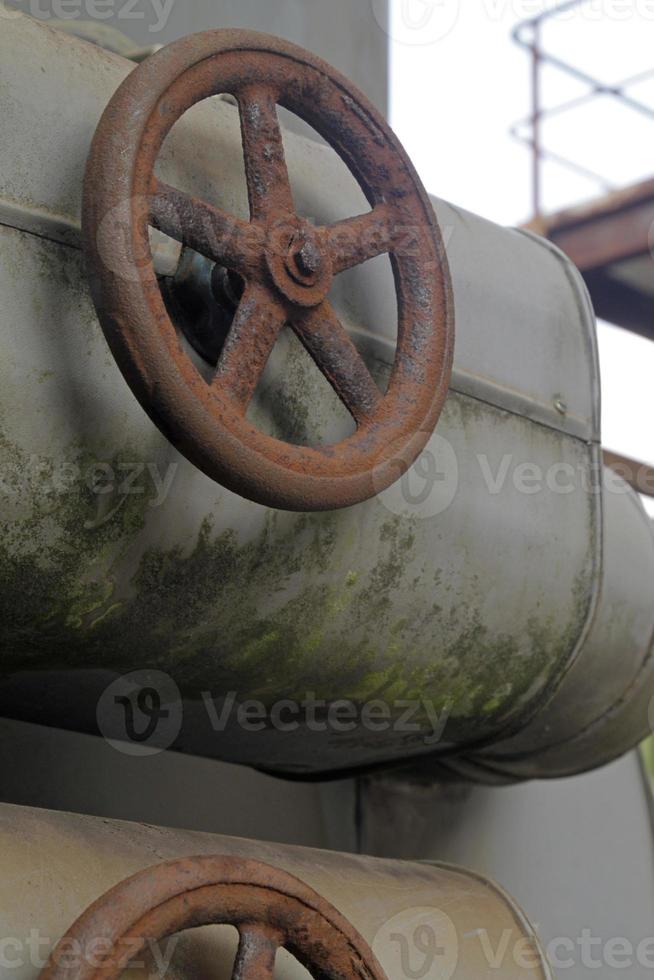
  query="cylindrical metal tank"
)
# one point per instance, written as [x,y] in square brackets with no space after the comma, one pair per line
[603,706]
[438,619]
[423,919]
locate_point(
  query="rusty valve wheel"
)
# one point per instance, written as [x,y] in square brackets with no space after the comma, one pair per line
[287,266]
[270,908]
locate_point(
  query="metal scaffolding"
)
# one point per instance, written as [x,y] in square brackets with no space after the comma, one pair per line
[611,238]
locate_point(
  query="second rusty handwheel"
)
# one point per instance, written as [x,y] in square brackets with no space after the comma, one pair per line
[270,909]
[287,266]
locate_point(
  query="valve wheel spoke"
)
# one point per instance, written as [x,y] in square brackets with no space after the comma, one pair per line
[269,188]
[355,240]
[257,948]
[241,245]
[330,346]
[258,322]
[206,229]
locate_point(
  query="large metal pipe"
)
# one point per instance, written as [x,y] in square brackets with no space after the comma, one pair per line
[446,612]
[418,918]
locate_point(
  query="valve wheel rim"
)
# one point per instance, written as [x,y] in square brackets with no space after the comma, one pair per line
[270,908]
[287,265]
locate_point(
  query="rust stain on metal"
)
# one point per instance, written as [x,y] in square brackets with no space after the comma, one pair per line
[270,909]
[639,475]
[287,265]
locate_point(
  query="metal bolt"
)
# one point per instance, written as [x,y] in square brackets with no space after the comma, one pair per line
[308,259]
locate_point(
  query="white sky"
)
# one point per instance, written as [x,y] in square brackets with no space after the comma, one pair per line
[458,83]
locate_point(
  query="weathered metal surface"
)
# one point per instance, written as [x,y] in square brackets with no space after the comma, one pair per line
[66,862]
[544,320]
[603,705]
[270,909]
[389,600]
[287,264]
[462,590]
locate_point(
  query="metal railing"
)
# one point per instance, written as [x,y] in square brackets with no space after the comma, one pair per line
[529,35]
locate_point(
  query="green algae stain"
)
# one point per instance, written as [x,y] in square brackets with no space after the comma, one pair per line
[313,605]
